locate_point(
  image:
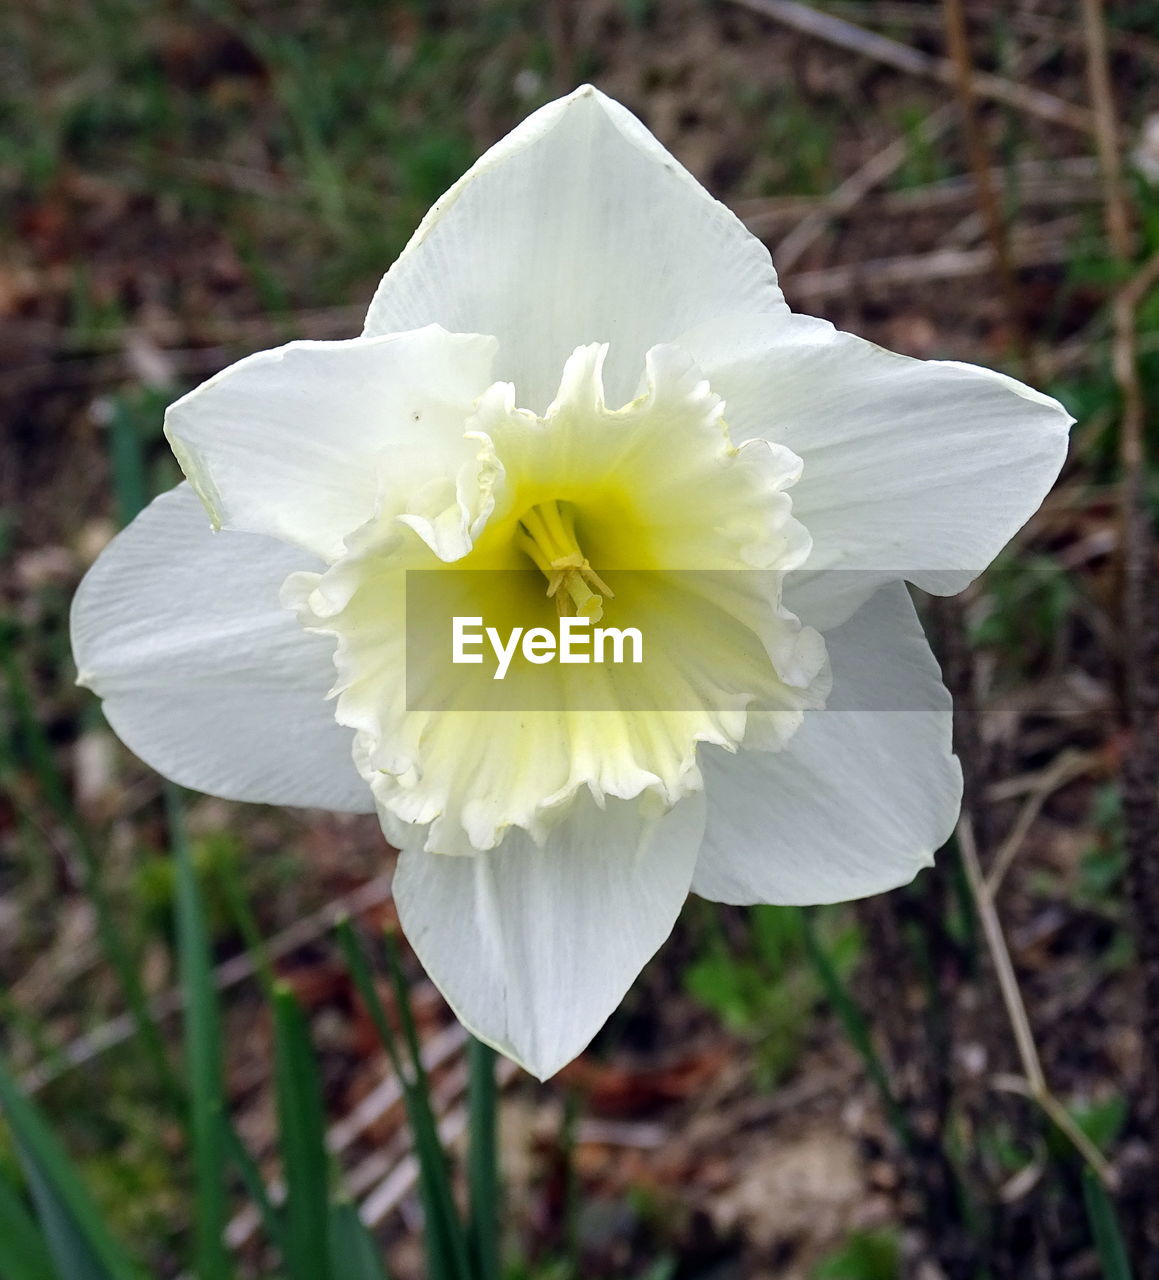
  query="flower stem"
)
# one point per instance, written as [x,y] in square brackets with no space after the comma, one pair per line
[482,1171]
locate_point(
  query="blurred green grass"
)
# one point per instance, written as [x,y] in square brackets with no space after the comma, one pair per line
[313,145]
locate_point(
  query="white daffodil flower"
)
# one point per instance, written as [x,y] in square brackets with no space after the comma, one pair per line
[580,368]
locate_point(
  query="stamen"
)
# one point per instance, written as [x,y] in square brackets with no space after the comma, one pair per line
[547,535]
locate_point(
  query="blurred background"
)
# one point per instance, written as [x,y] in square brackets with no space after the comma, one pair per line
[846,1093]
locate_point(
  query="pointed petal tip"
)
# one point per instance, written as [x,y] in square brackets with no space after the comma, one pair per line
[541,1070]
[534,1061]
[583,95]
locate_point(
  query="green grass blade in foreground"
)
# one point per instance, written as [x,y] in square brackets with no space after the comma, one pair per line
[254,1183]
[1108,1238]
[405,1012]
[247,926]
[23,1253]
[353,1252]
[126,461]
[482,1159]
[426,1133]
[302,1135]
[81,1245]
[255,945]
[202,1055]
[446,1241]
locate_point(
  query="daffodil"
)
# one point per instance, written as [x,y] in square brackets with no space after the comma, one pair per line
[579,394]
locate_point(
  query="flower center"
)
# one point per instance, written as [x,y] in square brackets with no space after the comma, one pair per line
[695,535]
[547,535]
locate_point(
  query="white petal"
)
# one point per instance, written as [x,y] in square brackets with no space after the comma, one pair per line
[297,442]
[922,469]
[534,947]
[203,673]
[862,794]
[577,227]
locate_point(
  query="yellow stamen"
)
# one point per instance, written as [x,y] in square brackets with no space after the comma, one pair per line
[547,535]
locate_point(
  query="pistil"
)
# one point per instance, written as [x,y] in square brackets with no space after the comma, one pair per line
[547,535]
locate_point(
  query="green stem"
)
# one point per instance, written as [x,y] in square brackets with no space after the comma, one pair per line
[482,1170]
[203,1055]
[448,1252]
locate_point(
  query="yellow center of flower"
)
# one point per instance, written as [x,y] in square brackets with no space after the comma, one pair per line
[694,534]
[547,535]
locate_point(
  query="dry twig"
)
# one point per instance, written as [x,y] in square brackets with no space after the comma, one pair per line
[1140,611]
[856,187]
[964,80]
[1037,182]
[943,264]
[1034,1085]
[922,16]
[847,35]
[1067,766]
[848,194]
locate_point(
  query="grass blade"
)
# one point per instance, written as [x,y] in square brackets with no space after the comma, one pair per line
[254,1183]
[203,1057]
[39,754]
[446,1242]
[482,1165]
[247,926]
[81,1246]
[1104,1222]
[426,1134]
[855,1026]
[353,1253]
[23,1253]
[127,461]
[405,1012]
[302,1133]
[244,1163]
[128,468]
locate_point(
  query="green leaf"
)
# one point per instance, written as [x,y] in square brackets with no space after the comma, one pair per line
[446,1241]
[866,1255]
[1102,1121]
[302,1131]
[23,1253]
[1104,1222]
[777,933]
[203,1057]
[719,981]
[81,1246]
[353,1253]
[428,1146]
